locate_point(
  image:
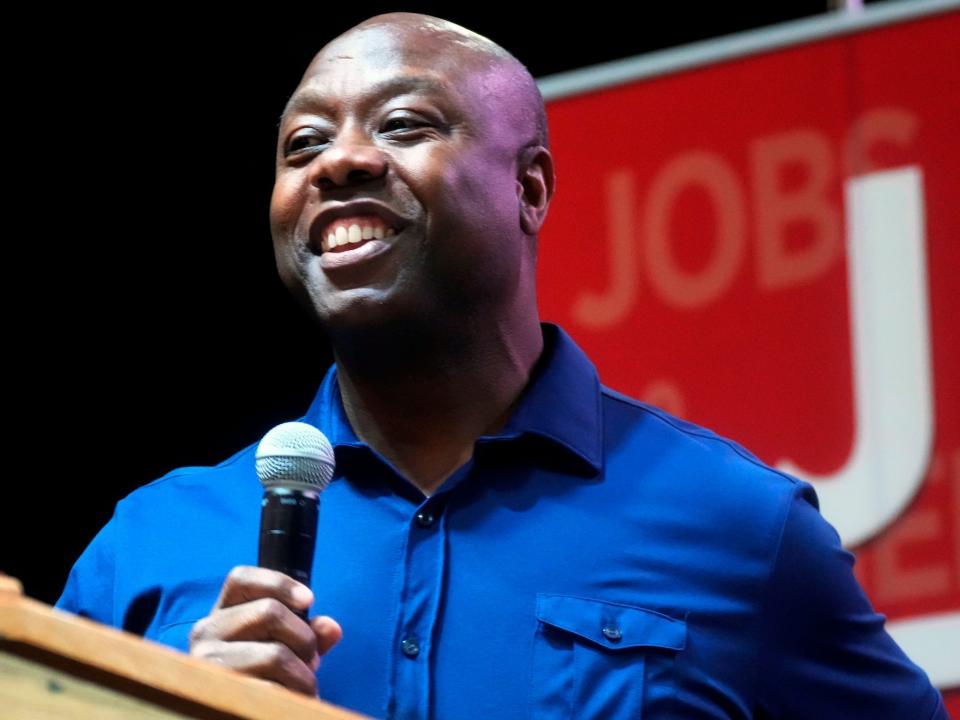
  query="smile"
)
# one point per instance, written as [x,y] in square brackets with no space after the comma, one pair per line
[343,237]
[355,252]
[344,233]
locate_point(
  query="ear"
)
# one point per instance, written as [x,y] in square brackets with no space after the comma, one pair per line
[536,182]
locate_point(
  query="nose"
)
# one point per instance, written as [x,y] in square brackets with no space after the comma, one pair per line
[351,158]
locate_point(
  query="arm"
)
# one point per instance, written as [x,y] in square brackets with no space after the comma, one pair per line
[825,652]
[251,628]
[89,588]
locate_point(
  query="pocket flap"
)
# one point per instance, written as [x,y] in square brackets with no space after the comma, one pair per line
[611,625]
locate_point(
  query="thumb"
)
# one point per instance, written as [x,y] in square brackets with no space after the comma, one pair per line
[328,632]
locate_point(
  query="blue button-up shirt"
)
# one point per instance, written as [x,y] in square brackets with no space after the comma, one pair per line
[596,558]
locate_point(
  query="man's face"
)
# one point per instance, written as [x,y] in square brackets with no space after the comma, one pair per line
[398,133]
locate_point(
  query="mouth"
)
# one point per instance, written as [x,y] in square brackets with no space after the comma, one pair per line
[348,233]
[352,233]
[351,241]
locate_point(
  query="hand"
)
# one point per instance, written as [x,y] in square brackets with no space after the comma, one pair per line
[252,628]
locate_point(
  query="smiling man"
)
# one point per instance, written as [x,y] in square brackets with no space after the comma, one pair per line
[504,535]
[432,137]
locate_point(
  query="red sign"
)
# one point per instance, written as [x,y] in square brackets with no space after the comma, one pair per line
[769,245]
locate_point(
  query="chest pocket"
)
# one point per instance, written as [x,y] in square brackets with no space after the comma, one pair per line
[598,659]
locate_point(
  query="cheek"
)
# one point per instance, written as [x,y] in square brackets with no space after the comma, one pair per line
[285,206]
[285,211]
[480,194]
[478,235]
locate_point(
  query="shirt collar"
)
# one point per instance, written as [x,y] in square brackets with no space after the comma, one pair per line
[561,404]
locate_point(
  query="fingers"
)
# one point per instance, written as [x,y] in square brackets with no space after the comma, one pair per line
[328,633]
[264,620]
[245,583]
[268,661]
[253,628]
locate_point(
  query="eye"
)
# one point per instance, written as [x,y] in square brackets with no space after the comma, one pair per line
[299,142]
[403,122]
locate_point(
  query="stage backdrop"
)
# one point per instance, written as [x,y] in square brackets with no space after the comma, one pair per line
[762,234]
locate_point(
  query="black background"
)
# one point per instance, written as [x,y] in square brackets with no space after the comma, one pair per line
[148,327]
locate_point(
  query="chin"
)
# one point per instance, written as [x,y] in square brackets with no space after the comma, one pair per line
[361,309]
[353,318]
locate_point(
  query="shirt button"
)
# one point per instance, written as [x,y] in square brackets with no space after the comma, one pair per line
[410,647]
[425,518]
[612,633]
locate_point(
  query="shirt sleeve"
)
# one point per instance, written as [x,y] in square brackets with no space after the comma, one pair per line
[89,590]
[825,652]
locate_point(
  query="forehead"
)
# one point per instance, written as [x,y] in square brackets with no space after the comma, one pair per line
[384,61]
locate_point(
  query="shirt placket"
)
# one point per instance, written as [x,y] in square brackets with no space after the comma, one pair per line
[423,587]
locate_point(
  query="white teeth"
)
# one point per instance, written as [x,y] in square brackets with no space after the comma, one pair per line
[355,234]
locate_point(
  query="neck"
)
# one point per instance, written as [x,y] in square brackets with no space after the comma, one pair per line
[421,394]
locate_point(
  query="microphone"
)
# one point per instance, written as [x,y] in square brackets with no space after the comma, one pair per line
[295,464]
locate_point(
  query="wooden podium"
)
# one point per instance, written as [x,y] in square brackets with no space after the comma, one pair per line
[55,664]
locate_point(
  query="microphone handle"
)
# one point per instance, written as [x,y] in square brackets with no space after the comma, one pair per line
[288,532]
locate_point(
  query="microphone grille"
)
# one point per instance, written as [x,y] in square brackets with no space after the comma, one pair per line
[295,455]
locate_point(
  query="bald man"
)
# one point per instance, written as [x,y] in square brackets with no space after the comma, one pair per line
[504,536]
[439,140]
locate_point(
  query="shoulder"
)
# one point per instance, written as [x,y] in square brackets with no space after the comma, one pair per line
[192,492]
[648,428]
[181,525]
[199,475]
[180,534]
[685,462]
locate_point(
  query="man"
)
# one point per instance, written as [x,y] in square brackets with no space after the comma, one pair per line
[504,536]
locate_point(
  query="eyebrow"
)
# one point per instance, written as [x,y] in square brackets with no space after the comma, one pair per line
[392,86]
